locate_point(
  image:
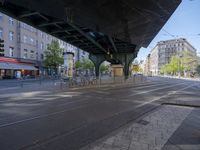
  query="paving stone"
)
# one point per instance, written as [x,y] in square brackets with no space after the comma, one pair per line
[148,136]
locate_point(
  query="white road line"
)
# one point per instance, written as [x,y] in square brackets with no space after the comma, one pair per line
[40,116]
[9,88]
[149,86]
[51,114]
[134,87]
[166,95]
[47,115]
[154,90]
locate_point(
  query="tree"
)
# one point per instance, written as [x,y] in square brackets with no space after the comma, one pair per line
[175,65]
[198,69]
[135,67]
[78,64]
[104,68]
[188,60]
[84,64]
[87,64]
[163,69]
[53,56]
[181,62]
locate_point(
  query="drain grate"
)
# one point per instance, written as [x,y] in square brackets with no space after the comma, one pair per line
[143,122]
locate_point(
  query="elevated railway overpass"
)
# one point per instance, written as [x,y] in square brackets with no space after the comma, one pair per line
[111,30]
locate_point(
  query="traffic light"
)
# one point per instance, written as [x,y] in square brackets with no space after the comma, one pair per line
[1,47]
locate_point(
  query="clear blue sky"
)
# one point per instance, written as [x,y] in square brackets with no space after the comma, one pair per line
[184,23]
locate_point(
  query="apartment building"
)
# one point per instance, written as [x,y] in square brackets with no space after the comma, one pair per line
[164,50]
[147,64]
[24,48]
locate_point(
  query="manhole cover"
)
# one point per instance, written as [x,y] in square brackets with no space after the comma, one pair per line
[143,122]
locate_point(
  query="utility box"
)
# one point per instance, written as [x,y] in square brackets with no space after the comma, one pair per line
[117,70]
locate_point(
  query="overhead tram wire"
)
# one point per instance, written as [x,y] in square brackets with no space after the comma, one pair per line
[188,35]
[169,33]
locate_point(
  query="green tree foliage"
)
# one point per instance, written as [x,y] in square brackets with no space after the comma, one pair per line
[78,64]
[84,64]
[175,64]
[163,69]
[104,68]
[53,55]
[87,64]
[188,60]
[198,69]
[182,61]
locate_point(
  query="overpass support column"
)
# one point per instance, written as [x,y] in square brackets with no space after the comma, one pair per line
[126,59]
[97,59]
[117,58]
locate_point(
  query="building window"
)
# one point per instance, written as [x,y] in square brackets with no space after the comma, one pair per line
[25,39]
[11,35]
[42,56]
[1,34]
[42,34]
[32,54]
[25,53]
[11,51]
[11,21]
[32,41]
[42,46]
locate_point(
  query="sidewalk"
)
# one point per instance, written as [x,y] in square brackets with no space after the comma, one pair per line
[181,78]
[27,88]
[164,129]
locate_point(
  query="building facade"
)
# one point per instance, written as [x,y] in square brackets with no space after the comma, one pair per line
[147,65]
[161,54]
[27,45]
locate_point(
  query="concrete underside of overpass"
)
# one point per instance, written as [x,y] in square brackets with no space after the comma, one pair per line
[112,30]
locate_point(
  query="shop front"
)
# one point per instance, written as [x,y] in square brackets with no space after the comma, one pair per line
[13,69]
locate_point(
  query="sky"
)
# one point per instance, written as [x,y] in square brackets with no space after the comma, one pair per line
[184,23]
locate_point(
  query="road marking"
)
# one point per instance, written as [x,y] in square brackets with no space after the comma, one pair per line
[129,87]
[9,88]
[150,86]
[47,115]
[154,90]
[166,95]
[39,95]
[40,116]
[51,114]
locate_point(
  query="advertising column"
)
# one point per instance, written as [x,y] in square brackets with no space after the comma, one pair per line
[68,64]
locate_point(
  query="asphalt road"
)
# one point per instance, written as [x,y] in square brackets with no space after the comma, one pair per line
[71,119]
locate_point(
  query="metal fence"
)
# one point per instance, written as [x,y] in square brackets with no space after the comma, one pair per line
[93,81]
[81,81]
